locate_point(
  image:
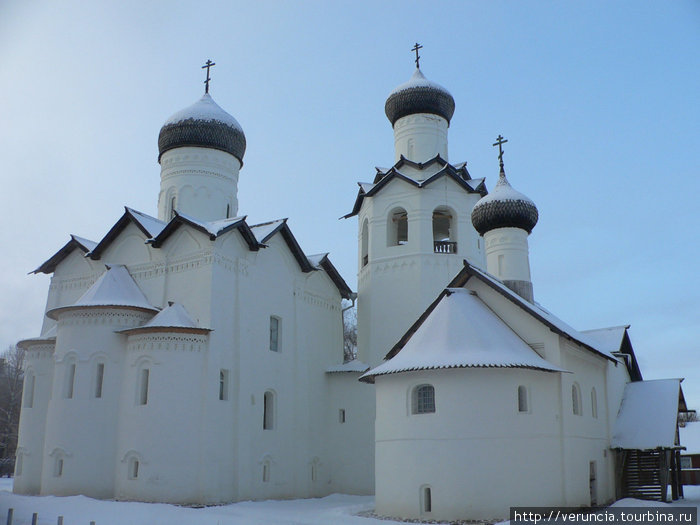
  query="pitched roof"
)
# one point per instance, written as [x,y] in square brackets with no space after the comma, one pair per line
[213,229]
[648,415]
[535,310]
[322,262]
[75,243]
[461,331]
[616,340]
[150,226]
[457,173]
[115,287]
[173,318]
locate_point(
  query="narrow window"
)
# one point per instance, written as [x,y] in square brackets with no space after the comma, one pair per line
[58,468]
[133,468]
[314,470]
[29,390]
[365,243]
[341,415]
[99,379]
[268,410]
[594,404]
[274,333]
[500,265]
[522,399]
[18,464]
[143,386]
[70,381]
[266,471]
[223,384]
[423,399]
[576,399]
[228,211]
[172,207]
[427,500]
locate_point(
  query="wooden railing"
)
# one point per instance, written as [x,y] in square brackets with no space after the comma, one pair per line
[444,247]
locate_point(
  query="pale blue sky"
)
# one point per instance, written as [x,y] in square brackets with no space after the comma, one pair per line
[600,102]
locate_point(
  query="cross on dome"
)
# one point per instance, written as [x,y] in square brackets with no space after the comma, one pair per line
[416,48]
[499,142]
[207,66]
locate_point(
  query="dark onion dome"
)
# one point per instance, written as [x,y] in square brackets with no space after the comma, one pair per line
[504,207]
[419,95]
[203,124]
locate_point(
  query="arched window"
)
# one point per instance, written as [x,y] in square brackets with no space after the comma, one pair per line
[426,499]
[223,384]
[423,400]
[522,399]
[266,468]
[269,410]
[69,380]
[143,380]
[364,241]
[133,472]
[59,458]
[397,227]
[29,383]
[99,379]
[172,206]
[594,403]
[444,231]
[576,399]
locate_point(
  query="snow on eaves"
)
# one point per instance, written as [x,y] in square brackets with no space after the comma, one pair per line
[462,331]
[85,243]
[351,366]
[115,287]
[265,230]
[316,259]
[213,228]
[608,339]
[150,224]
[174,316]
[647,416]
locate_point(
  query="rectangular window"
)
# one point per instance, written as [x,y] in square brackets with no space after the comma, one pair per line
[268,411]
[274,334]
[522,399]
[29,396]
[686,462]
[223,384]
[99,379]
[427,500]
[266,472]
[341,415]
[143,386]
[58,468]
[18,465]
[134,469]
[70,381]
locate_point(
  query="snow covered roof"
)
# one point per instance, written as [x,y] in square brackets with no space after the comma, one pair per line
[351,366]
[149,226]
[458,174]
[462,331]
[419,95]
[213,229]
[648,415]
[203,124]
[553,322]
[266,230]
[608,339]
[115,287]
[690,437]
[48,337]
[172,318]
[75,243]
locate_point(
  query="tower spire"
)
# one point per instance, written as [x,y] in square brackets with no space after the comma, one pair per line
[207,66]
[416,48]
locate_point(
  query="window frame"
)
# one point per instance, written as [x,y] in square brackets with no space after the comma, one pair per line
[275,328]
[420,403]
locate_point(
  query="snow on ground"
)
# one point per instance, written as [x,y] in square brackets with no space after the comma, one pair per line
[338,509]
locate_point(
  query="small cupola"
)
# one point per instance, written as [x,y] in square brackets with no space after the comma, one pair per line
[203,124]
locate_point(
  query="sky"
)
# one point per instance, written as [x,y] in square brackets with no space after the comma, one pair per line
[599,101]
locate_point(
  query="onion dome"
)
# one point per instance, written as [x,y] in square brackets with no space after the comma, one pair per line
[203,124]
[504,207]
[419,95]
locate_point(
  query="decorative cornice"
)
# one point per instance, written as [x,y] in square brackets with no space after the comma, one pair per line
[167,342]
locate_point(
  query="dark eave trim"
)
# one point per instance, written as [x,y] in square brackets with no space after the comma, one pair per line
[294,247]
[343,288]
[49,266]
[273,232]
[180,220]
[114,232]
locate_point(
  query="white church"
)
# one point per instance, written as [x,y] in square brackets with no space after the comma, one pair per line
[195,358]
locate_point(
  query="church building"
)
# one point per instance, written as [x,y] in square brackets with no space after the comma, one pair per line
[195,358]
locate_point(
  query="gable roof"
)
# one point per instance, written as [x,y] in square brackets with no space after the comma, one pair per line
[461,331]
[616,340]
[458,173]
[534,310]
[75,243]
[114,288]
[648,415]
[322,262]
[213,229]
[149,226]
[173,318]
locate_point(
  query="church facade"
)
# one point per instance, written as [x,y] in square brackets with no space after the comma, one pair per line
[196,358]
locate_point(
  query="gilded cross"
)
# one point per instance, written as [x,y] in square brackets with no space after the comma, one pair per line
[499,142]
[416,48]
[206,66]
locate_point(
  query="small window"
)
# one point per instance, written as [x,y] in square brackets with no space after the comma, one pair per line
[58,467]
[18,464]
[686,462]
[29,381]
[133,468]
[594,403]
[274,334]
[228,211]
[341,415]
[269,410]
[266,471]
[172,207]
[427,500]
[143,386]
[365,244]
[397,227]
[223,384]
[522,399]
[70,381]
[576,399]
[423,400]
[99,379]
[314,469]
